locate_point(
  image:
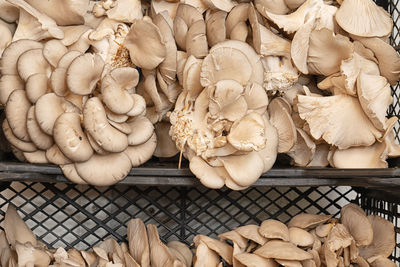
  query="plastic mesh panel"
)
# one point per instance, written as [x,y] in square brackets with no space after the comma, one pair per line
[80,216]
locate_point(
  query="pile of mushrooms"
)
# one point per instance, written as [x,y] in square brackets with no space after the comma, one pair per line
[98,87]
[307,240]
[19,247]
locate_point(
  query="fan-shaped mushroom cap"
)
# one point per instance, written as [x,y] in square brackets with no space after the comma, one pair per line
[253,260]
[95,122]
[32,62]
[221,248]
[8,84]
[237,15]
[14,141]
[256,98]
[145,44]
[53,51]
[235,237]
[223,61]
[39,138]
[125,10]
[383,241]
[307,221]
[292,22]
[141,153]
[299,46]
[335,111]
[383,262]
[196,40]
[8,12]
[63,12]
[29,255]
[355,220]
[216,27]
[48,108]
[244,176]
[55,156]
[326,51]
[36,86]
[252,233]
[142,130]
[388,58]
[34,25]
[16,113]
[183,250]
[300,237]
[265,42]
[115,86]
[6,37]
[277,249]
[205,256]
[320,157]
[370,20]
[104,170]
[282,121]
[273,229]
[11,54]
[338,238]
[84,73]
[138,242]
[224,5]
[212,177]
[278,7]
[303,150]
[15,228]
[72,33]
[71,174]
[242,139]
[69,137]
[160,255]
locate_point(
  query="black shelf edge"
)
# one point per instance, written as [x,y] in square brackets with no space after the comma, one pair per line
[168,175]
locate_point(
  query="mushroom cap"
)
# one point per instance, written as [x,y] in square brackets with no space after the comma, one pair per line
[289,263]
[166,147]
[104,170]
[39,138]
[182,249]
[256,98]
[11,54]
[14,141]
[8,84]
[277,249]
[355,220]
[55,156]
[36,86]
[138,242]
[209,176]
[47,109]
[299,46]
[280,118]
[142,130]
[69,137]
[196,40]
[71,174]
[238,14]
[383,241]
[141,153]
[300,237]
[17,108]
[53,50]
[27,254]
[383,262]
[235,237]
[307,221]
[338,119]
[96,124]
[373,156]
[160,255]
[326,51]
[388,58]
[221,248]
[216,29]
[370,20]
[253,260]
[31,62]
[273,229]
[15,228]
[145,44]
[224,5]
[84,72]
[205,256]
[126,11]
[242,139]
[36,157]
[303,150]
[251,232]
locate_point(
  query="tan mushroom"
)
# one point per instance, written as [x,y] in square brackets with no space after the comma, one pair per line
[253,260]
[220,247]
[307,221]
[138,242]
[355,220]
[273,229]
[277,249]
[16,230]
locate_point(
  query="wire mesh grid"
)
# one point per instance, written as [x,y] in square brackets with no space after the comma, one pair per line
[81,216]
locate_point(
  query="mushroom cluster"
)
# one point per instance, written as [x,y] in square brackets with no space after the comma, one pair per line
[100,86]
[19,247]
[307,240]
[69,91]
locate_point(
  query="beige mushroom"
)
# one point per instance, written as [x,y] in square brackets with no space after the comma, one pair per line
[307,221]
[277,249]
[95,122]
[273,229]
[39,138]
[205,257]
[17,108]
[14,141]
[160,255]
[138,242]
[28,255]
[235,237]
[300,237]
[215,25]
[165,145]
[141,153]
[221,248]
[36,86]
[251,232]
[55,156]
[32,62]
[383,241]
[224,5]
[370,21]
[8,84]
[253,260]
[71,174]
[147,52]
[355,220]
[382,262]
[16,230]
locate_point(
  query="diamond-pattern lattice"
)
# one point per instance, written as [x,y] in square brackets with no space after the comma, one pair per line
[80,216]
